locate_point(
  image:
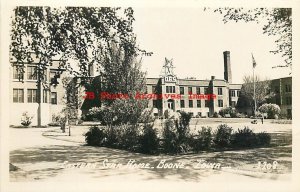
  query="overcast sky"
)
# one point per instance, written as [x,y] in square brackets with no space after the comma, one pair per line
[196,39]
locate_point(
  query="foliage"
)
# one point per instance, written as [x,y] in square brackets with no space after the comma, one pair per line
[228,110]
[271,109]
[149,140]
[26,119]
[57,119]
[244,138]
[263,139]
[223,136]
[203,140]
[95,136]
[277,22]
[176,134]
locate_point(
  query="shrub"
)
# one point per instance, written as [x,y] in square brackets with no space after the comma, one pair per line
[263,139]
[202,141]
[95,136]
[244,138]
[223,136]
[272,110]
[228,110]
[26,119]
[149,141]
[129,137]
[170,136]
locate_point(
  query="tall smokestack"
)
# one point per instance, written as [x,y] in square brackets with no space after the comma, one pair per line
[227,67]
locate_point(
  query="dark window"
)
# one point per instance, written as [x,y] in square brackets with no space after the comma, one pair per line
[173,89]
[17,74]
[18,95]
[288,100]
[205,90]
[220,91]
[154,103]
[288,88]
[190,103]
[198,103]
[198,90]
[181,90]
[53,98]
[153,89]
[182,104]
[31,73]
[238,93]
[232,93]
[220,103]
[190,90]
[167,89]
[206,103]
[170,89]
[31,95]
[45,96]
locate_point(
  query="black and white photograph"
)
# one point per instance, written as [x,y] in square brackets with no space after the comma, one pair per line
[140,97]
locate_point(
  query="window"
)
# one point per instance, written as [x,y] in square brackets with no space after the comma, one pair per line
[276,89]
[232,93]
[288,100]
[220,103]
[181,90]
[31,74]
[238,93]
[220,91]
[233,103]
[190,90]
[154,102]
[206,103]
[198,90]
[153,89]
[190,103]
[18,95]
[198,103]
[45,96]
[288,88]
[31,95]
[182,104]
[17,74]
[170,89]
[205,90]
[53,98]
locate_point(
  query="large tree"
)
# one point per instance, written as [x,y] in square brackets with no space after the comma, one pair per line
[276,22]
[262,92]
[77,36]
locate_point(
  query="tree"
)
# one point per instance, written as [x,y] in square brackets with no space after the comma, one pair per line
[262,92]
[277,22]
[77,36]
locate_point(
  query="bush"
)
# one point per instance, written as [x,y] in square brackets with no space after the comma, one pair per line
[202,141]
[244,138]
[272,110]
[263,139]
[26,119]
[149,141]
[223,136]
[95,136]
[228,110]
[128,137]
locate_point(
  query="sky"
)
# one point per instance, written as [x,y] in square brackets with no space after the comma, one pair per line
[196,39]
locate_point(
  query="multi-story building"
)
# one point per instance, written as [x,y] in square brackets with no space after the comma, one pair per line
[282,88]
[198,97]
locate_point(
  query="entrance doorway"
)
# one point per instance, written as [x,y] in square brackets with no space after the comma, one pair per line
[171,104]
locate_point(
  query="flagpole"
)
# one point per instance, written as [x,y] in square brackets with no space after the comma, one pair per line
[254,65]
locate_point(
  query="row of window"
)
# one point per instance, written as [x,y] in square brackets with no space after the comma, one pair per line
[171,89]
[31,73]
[18,96]
[191,103]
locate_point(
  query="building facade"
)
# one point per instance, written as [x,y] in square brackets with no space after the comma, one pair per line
[198,97]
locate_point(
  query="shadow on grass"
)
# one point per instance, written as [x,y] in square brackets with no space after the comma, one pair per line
[44,162]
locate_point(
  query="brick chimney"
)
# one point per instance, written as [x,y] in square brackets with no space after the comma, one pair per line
[227,67]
